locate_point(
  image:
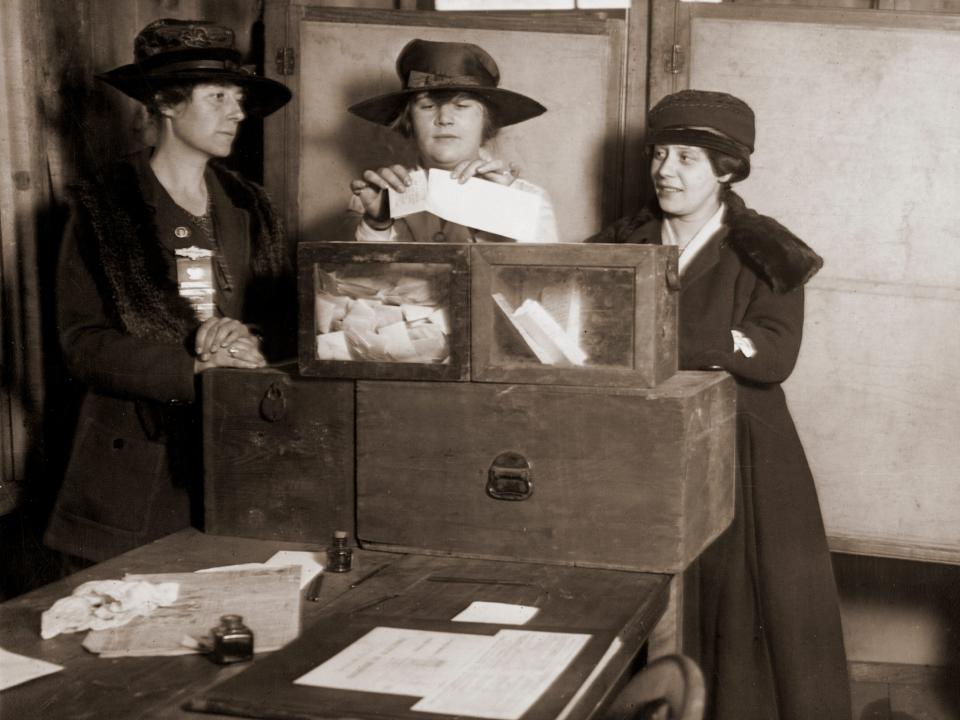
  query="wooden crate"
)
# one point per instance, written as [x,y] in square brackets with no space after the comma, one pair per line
[637,479]
[445,267]
[606,313]
[278,455]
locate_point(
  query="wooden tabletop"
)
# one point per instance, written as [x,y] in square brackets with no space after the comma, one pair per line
[157,687]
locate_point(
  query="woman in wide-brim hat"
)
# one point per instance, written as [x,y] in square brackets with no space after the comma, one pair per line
[771,641]
[169,264]
[451,105]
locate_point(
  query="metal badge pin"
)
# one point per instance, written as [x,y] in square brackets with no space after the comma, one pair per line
[182,232]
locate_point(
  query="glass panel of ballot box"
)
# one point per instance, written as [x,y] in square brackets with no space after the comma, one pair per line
[595,315]
[384,310]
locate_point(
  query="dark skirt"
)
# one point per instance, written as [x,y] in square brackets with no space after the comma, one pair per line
[771,639]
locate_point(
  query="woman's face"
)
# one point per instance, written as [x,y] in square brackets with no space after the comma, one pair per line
[208,122]
[447,132]
[685,182]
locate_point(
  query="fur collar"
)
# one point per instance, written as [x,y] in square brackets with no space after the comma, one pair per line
[775,253]
[119,240]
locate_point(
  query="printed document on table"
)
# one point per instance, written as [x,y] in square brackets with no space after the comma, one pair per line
[506,680]
[479,204]
[399,661]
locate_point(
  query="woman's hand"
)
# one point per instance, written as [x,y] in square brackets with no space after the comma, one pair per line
[370,189]
[242,353]
[492,169]
[225,342]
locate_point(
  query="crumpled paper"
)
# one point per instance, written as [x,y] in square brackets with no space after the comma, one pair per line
[102,604]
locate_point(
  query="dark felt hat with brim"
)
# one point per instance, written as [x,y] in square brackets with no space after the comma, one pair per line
[427,66]
[172,52]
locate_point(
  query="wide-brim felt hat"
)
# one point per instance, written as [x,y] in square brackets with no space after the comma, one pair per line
[428,66]
[172,52]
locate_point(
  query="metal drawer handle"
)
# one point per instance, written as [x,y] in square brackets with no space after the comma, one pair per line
[510,477]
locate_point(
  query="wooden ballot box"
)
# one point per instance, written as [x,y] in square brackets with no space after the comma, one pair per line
[597,315]
[635,479]
[278,455]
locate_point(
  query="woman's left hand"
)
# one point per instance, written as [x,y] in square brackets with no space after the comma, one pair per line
[494,170]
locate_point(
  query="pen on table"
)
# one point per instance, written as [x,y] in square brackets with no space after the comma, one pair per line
[367,576]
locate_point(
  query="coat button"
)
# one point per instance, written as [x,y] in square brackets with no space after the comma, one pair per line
[182,232]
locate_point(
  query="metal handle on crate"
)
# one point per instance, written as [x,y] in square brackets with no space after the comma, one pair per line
[273,406]
[509,477]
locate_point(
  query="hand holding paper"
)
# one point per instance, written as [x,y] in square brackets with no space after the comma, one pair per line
[478,204]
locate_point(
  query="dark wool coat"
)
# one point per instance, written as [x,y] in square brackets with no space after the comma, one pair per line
[770,633]
[136,464]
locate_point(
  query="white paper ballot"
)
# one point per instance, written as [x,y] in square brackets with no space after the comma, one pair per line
[478,204]
[506,680]
[497,613]
[309,565]
[399,662]
[16,669]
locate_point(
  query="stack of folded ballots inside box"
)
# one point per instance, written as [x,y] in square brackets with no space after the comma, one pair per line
[389,318]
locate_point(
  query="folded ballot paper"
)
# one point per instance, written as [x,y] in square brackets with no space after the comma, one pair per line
[541,333]
[395,317]
[478,204]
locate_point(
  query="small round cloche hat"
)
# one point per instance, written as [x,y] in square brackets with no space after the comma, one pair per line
[170,51]
[425,66]
[704,118]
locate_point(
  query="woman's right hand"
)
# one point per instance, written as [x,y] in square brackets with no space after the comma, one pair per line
[370,189]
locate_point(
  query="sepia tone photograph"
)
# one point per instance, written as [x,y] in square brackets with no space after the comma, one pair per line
[497,359]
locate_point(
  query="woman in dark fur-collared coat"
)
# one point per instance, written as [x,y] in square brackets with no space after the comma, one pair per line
[171,265]
[771,641]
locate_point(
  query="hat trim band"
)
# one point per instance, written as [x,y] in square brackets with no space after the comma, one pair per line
[697,138]
[227,65]
[418,79]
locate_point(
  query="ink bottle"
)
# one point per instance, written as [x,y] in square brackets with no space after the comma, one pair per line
[232,640]
[339,556]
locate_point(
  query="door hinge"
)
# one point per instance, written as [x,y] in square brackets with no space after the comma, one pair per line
[286,61]
[674,60]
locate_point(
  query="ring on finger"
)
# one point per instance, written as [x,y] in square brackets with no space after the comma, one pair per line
[233,350]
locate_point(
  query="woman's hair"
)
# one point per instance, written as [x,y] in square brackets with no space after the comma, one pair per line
[722,164]
[169,96]
[404,125]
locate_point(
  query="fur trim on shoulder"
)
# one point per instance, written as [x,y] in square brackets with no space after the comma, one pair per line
[631,229]
[773,251]
[125,256]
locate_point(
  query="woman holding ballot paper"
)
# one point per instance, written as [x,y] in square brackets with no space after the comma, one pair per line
[451,107]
